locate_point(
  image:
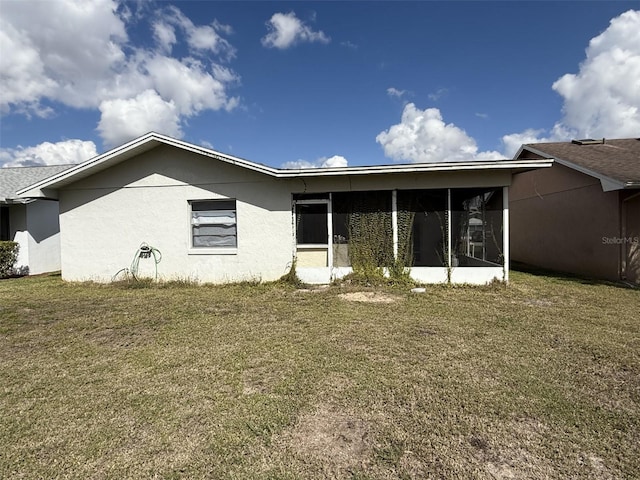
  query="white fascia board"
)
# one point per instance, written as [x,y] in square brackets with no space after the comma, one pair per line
[48,186]
[118,154]
[608,184]
[16,201]
[416,168]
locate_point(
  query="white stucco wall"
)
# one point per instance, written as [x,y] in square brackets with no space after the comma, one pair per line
[34,226]
[43,236]
[18,233]
[104,219]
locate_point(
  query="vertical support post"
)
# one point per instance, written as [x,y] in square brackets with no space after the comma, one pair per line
[330,231]
[505,232]
[449,254]
[294,229]
[394,222]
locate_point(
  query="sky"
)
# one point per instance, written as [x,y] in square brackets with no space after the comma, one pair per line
[315,84]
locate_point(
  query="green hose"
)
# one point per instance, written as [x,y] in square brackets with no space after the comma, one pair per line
[144,251]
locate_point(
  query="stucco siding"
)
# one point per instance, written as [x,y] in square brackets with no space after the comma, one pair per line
[34,226]
[559,218]
[18,233]
[44,236]
[104,219]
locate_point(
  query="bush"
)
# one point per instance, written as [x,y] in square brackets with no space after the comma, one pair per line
[291,277]
[8,257]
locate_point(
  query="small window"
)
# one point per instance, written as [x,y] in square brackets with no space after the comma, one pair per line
[213,224]
[4,223]
[311,224]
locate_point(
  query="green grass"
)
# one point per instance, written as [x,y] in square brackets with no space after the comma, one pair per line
[539,379]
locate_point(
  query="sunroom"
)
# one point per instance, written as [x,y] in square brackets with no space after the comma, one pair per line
[441,235]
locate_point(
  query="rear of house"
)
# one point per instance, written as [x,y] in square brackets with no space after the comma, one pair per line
[218,218]
[582,215]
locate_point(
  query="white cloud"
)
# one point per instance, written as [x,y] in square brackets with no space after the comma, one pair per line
[188,85]
[423,136]
[335,161]
[438,94]
[286,30]
[44,60]
[68,67]
[203,37]
[394,92]
[165,35]
[324,162]
[603,98]
[60,153]
[22,75]
[513,141]
[124,119]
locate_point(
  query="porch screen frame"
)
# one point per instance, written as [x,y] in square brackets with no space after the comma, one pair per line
[329,244]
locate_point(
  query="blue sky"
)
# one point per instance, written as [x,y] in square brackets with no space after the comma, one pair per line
[315,83]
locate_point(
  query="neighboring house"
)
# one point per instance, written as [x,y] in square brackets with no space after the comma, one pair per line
[582,215]
[218,218]
[33,223]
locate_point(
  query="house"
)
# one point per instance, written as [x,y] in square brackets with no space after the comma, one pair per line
[582,215]
[32,223]
[218,218]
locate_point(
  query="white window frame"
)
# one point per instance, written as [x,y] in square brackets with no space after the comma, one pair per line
[329,245]
[210,250]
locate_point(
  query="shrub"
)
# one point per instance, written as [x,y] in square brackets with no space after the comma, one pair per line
[291,277]
[8,257]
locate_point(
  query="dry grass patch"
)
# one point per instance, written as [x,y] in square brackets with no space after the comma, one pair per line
[538,379]
[369,297]
[337,441]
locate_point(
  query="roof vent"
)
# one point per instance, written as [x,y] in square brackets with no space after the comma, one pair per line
[587,141]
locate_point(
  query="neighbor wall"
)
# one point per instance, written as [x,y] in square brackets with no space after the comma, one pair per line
[43,230]
[631,236]
[559,220]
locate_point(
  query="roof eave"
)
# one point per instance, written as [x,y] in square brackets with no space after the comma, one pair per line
[16,201]
[48,187]
[608,184]
[417,168]
[118,154]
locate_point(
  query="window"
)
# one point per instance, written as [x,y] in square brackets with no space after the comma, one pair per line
[311,223]
[213,224]
[4,223]
[362,227]
[422,226]
[476,226]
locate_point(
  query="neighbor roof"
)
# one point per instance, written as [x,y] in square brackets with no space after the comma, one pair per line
[13,179]
[48,186]
[615,162]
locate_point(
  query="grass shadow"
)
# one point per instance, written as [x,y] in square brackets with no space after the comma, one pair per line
[569,277]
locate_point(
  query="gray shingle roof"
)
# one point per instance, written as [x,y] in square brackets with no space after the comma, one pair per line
[617,159]
[13,179]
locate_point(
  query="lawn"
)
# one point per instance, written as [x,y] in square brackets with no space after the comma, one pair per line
[540,379]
